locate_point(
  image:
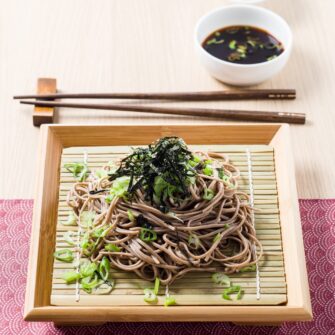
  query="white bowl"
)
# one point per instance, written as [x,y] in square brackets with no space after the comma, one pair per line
[248,15]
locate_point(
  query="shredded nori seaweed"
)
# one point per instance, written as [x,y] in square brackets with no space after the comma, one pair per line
[167,158]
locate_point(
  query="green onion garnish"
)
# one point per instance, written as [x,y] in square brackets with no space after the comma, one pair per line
[217,237]
[68,238]
[208,170]
[87,268]
[71,220]
[194,241]
[79,170]
[221,279]
[208,194]
[231,290]
[131,216]
[112,247]
[169,301]
[157,283]
[87,218]
[232,45]
[149,296]
[70,277]
[148,235]
[88,283]
[104,268]
[64,255]
[250,268]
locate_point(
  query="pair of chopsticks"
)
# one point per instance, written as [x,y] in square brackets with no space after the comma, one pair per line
[247,115]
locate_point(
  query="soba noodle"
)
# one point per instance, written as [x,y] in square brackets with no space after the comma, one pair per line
[197,232]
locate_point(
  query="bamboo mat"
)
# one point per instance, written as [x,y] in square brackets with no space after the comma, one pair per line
[194,288]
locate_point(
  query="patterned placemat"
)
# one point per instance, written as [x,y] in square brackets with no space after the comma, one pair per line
[318,220]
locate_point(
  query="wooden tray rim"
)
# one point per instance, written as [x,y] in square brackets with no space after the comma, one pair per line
[298,308]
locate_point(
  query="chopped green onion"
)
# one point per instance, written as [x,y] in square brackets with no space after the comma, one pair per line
[109,198]
[250,268]
[104,268]
[131,216]
[272,57]
[163,189]
[85,242]
[71,220]
[79,170]
[169,301]
[208,170]
[98,232]
[120,187]
[112,247]
[149,296]
[208,194]
[101,173]
[231,290]
[104,288]
[212,41]
[68,237]
[87,269]
[157,283]
[217,237]
[221,279]
[232,45]
[88,283]
[87,218]
[148,235]
[194,241]
[64,255]
[70,277]
[196,158]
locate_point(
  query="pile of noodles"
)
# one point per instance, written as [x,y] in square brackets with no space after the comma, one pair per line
[194,235]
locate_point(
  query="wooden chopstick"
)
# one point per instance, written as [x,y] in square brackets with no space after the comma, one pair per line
[181,96]
[265,116]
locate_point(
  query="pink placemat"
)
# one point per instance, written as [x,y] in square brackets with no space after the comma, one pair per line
[318,220]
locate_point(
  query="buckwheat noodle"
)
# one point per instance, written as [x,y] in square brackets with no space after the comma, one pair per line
[195,235]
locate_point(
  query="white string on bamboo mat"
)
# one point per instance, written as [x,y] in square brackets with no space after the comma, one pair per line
[251,191]
[78,245]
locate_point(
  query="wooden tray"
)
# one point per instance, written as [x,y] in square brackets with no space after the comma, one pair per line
[278,228]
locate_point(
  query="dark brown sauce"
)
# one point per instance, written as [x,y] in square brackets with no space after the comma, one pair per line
[243,45]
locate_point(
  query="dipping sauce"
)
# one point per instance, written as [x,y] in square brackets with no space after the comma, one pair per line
[243,45]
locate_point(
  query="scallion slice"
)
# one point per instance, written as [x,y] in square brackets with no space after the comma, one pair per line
[157,283]
[104,268]
[221,279]
[70,277]
[112,247]
[169,301]
[68,238]
[231,290]
[149,296]
[148,235]
[250,268]
[87,268]
[131,216]
[71,220]
[64,255]
[208,194]
[79,170]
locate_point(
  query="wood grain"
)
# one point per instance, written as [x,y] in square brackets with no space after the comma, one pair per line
[44,114]
[93,47]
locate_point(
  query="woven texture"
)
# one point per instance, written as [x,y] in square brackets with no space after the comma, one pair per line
[318,220]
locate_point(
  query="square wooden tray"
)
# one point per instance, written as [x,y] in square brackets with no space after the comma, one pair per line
[54,138]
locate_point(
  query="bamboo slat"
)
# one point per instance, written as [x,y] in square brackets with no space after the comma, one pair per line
[194,288]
